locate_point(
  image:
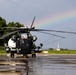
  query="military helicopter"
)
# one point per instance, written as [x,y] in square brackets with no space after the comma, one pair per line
[24,45]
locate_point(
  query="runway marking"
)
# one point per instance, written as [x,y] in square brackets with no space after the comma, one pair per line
[11,62]
[13,66]
[9,73]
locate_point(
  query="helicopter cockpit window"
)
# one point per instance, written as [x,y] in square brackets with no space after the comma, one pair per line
[23,36]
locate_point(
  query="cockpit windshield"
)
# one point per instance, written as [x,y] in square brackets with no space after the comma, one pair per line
[24,36]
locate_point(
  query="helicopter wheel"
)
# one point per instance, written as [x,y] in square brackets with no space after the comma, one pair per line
[33,55]
[12,55]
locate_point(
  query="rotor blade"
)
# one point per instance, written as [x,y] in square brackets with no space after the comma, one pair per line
[2,31]
[52,31]
[10,27]
[6,35]
[32,22]
[52,34]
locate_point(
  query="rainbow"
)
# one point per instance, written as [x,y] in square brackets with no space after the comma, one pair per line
[58,18]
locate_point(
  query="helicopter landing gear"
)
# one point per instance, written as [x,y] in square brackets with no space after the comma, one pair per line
[12,55]
[33,55]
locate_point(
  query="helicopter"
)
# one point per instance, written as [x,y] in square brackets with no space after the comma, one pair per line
[18,44]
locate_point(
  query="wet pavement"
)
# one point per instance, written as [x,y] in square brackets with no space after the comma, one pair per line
[13,66]
[53,65]
[47,64]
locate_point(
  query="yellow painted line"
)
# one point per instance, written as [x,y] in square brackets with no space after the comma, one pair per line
[9,73]
[11,62]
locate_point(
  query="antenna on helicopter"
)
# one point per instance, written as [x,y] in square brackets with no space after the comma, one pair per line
[31,27]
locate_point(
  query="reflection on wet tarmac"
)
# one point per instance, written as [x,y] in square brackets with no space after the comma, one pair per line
[13,66]
[41,65]
[57,65]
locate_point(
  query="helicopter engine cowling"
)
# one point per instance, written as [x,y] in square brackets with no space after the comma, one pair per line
[10,46]
[38,49]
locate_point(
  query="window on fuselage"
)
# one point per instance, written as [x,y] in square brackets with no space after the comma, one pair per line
[23,37]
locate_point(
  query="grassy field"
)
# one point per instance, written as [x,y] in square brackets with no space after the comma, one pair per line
[2,51]
[61,52]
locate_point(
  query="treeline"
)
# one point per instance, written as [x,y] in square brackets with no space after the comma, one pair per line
[60,49]
[10,24]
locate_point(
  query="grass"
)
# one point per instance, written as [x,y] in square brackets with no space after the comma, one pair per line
[2,51]
[62,52]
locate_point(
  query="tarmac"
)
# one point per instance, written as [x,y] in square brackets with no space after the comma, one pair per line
[43,64]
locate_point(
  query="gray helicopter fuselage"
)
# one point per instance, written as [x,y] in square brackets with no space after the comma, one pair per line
[22,45]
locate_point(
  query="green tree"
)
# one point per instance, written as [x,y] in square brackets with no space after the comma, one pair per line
[17,24]
[2,24]
[12,24]
[51,49]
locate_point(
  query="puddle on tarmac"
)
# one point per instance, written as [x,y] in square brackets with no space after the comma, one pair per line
[49,66]
[44,66]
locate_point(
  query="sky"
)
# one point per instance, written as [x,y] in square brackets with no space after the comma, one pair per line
[50,14]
